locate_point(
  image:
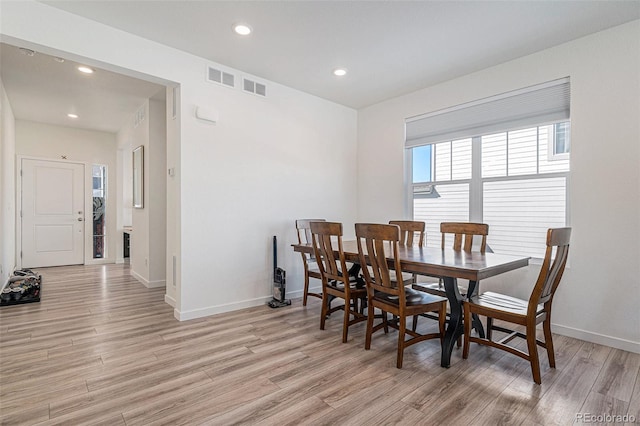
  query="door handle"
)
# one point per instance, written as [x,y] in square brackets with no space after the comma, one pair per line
[80,219]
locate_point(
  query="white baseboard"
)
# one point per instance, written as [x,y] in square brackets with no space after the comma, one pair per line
[297,294]
[104,261]
[170,301]
[614,342]
[147,283]
[157,284]
[601,339]
[219,309]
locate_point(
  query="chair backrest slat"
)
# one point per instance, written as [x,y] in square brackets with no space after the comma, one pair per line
[411,232]
[327,239]
[552,267]
[381,242]
[303,226]
[463,233]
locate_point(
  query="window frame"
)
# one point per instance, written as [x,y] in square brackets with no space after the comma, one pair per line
[552,154]
[476,182]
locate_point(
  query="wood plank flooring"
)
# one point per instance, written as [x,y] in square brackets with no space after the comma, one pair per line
[100,348]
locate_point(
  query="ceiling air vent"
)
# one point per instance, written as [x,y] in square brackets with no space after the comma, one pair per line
[255,88]
[220,77]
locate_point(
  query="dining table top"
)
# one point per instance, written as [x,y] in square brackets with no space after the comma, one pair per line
[474,266]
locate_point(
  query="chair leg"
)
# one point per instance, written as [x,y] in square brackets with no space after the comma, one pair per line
[345,322]
[548,340]
[384,321]
[467,330]
[367,340]
[323,313]
[415,322]
[489,328]
[402,325]
[533,353]
[306,289]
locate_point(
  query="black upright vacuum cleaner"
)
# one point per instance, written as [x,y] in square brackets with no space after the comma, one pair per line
[279,281]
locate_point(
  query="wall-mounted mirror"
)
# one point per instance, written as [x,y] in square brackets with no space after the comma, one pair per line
[138,177]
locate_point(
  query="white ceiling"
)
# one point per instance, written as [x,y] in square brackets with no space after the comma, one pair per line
[42,89]
[389,47]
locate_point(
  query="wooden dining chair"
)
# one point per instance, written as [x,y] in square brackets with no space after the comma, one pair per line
[336,280]
[463,234]
[527,313]
[411,232]
[378,247]
[308,261]
[463,240]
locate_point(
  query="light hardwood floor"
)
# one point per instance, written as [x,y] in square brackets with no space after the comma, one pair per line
[102,349]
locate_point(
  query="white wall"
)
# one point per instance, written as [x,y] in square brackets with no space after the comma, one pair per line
[264,164]
[130,137]
[124,195]
[7,189]
[599,296]
[41,140]
[125,183]
[156,199]
[148,239]
[172,266]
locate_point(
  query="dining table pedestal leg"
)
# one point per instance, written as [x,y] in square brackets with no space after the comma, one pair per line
[454,325]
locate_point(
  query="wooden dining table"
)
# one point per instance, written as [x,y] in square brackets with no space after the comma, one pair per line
[450,265]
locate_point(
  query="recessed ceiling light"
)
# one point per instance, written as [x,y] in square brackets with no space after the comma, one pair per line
[58,59]
[242,29]
[27,52]
[339,72]
[72,115]
[85,70]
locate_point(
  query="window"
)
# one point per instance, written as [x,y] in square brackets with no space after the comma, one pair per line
[511,173]
[561,141]
[518,190]
[99,178]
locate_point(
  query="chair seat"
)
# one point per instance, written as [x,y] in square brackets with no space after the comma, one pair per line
[503,302]
[407,278]
[352,286]
[435,288]
[413,297]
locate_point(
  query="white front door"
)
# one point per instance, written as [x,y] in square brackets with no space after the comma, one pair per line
[52,213]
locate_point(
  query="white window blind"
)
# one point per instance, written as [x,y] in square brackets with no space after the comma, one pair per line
[543,103]
[519,212]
